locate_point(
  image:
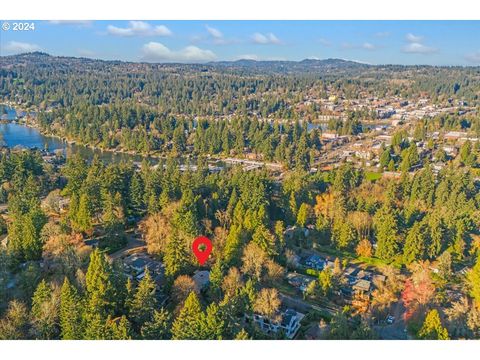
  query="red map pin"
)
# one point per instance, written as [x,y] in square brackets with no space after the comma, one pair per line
[202,247]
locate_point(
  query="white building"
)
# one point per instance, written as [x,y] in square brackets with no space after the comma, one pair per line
[287,322]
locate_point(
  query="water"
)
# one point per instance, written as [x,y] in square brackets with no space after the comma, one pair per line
[18,135]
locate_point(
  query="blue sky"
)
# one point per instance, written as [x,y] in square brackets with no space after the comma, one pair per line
[374,42]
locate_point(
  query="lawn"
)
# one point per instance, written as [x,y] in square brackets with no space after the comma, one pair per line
[372,176]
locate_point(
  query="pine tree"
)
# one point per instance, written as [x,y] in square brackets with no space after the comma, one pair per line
[41,295]
[216,278]
[32,243]
[459,243]
[344,235]
[473,279]
[176,256]
[144,301]
[83,218]
[232,203]
[385,158]
[242,335]
[190,323]
[158,328]
[70,312]
[414,248]
[100,295]
[137,194]
[436,235]
[280,234]
[325,280]
[265,240]
[73,207]
[293,205]
[386,233]
[303,215]
[44,312]
[118,329]
[432,328]
[233,245]
[95,327]
[214,325]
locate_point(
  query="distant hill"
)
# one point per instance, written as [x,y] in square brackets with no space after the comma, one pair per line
[244,65]
[304,66]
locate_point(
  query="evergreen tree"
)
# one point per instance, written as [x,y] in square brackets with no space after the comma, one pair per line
[265,240]
[386,233]
[70,312]
[144,301]
[436,235]
[176,256]
[44,313]
[233,245]
[303,215]
[242,335]
[432,328]
[158,328]
[137,194]
[414,248]
[214,325]
[190,322]
[473,279]
[118,329]
[41,295]
[100,295]
[83,218]
[216,278]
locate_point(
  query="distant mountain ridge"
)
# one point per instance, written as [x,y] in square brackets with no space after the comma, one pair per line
[330,66]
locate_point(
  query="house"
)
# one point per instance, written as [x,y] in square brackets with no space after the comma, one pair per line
[299,281]
[314,262]
[362,286]
[451,150]
[455,135]
[138,262]
[287,322]
[329,136]
[378,279]
[201,279]
[293,231]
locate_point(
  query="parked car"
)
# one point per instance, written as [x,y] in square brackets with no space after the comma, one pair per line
[390,319]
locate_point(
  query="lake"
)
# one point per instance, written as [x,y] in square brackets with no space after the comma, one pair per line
[18,135]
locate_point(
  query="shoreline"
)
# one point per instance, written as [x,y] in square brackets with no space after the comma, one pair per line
[228,159]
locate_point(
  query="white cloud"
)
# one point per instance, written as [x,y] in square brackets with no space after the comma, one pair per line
[139,28]
[155,51]
[263,39]
[81,23]
[413,38]
[369,46]
[473,57]
[418,48]
[217,34]
[364,46]
[17,47]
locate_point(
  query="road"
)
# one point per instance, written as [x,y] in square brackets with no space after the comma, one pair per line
[133,242]
[395,331]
